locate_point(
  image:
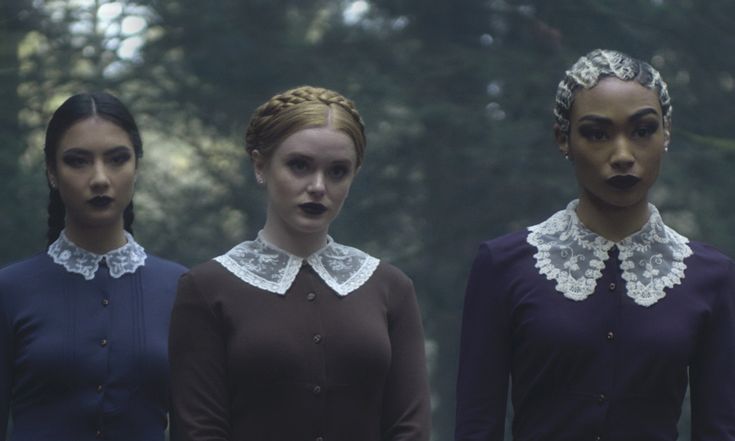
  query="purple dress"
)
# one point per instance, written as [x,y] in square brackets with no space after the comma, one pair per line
[610,363]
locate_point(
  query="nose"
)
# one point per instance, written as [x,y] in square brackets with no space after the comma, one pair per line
[100,179]
[622,158]
[316,187]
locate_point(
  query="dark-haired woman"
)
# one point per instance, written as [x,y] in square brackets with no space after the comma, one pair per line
[83,325]
[600,315]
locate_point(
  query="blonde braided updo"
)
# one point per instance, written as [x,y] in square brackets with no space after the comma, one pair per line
[300,108]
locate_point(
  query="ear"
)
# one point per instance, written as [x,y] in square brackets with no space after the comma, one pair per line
[562,140]
[259,163]
[51,176]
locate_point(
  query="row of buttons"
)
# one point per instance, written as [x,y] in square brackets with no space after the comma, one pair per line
[100,388]
[316,338]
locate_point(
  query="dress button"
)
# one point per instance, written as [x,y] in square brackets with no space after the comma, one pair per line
[311,296]
[601,398]
[612,286]
[105,302]
[598,438]
[103,342]
[99,388]
[317,390]
[98,434]
[610,335]
[317,338]
[319,438]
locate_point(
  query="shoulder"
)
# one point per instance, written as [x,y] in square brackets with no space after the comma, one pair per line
[209,274]
[159,264]
[505,249]
[707,260]
[27,269]
[391,275]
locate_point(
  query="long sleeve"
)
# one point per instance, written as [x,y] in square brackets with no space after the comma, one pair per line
[6,364]
[484,358]
[197,354]
[712,373]
[406,403]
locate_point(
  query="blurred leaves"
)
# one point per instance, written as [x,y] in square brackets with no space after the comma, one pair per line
[457,97]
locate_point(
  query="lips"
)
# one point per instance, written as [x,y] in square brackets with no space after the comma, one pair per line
[100,201]
[623,182]
[313,208]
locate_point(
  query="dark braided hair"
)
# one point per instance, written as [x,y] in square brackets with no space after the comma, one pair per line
[77,108]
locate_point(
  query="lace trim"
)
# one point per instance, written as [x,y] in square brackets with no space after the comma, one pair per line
[265,266]
[651,259]
[126,259]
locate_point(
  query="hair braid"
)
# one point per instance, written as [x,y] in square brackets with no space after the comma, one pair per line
[56,215]
[300,108]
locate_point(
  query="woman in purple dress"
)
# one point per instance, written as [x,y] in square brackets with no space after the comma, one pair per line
[601,315]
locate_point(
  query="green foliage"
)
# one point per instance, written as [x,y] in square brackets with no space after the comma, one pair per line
[457,97]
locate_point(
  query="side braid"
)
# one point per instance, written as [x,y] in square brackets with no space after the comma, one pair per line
[56,215]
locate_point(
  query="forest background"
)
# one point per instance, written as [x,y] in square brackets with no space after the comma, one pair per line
[457,97]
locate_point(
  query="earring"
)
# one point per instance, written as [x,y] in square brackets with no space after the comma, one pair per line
[666,149]
[259,179]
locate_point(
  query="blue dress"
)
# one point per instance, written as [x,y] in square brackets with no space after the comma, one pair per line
[85,359]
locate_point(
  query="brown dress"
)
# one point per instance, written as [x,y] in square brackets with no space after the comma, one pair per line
[251,365]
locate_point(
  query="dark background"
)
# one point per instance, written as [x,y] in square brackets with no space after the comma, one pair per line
[457,97]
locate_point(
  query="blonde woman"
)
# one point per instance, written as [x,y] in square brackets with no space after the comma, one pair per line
[293,335]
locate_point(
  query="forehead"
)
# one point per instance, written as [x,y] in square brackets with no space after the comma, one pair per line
[321,143]
[94,134]
[612,96]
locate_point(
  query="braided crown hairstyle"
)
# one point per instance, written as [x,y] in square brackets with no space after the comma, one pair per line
[75,109]
[303,107]
[602,63]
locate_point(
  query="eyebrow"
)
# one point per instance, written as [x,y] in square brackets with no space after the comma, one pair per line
[83,151]
[605,120]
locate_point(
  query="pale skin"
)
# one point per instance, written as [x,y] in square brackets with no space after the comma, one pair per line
[312,166]
[95,159]
[616,130]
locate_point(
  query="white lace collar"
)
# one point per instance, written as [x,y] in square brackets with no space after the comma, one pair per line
[263,265]
[651,259]
[125,259]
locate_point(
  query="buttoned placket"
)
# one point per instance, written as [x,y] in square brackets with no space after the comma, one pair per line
[103,301]
[316,338]
[611,286]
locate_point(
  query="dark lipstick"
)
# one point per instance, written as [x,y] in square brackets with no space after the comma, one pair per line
[100,201]
[623,182]
[313,208]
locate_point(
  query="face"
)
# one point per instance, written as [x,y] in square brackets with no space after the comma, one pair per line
[616,142]
[307,179]
[95,173]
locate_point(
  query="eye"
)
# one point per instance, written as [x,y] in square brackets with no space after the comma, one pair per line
[338,172]
[74,161]
[645,130]
[120,158]
[593,133]
[298,165]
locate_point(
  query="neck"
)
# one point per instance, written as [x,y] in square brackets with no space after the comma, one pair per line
[296,243]
[611,222]
[98,240]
